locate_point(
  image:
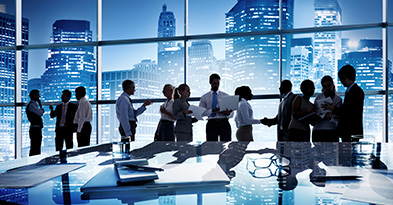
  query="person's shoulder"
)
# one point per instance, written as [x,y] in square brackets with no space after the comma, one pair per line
[223,93]
[205,95]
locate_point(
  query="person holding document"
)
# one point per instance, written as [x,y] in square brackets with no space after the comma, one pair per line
[217,122]
[299,130]
[244,116]
[180,107]
[325,130]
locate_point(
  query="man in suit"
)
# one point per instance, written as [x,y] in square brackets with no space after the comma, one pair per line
[283,117]
[34,112]
[125,112]
[351,112]
[217,122]
[65,113]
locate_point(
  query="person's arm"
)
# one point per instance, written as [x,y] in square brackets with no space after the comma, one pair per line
[33,107]
[178,111]
[168,111]
[297,113]
[203,103]
[243,108]
[122,113]
[54,113]
[80,116]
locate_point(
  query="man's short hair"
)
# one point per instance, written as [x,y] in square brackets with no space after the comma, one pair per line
[126,84]
[347,71]
[67,93]
[213,77]
[34,92]
[306,84]
[81,91]
[286,84]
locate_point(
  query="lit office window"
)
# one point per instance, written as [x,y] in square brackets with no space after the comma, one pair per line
[139,19]
[7,133]
[43,15]
[321,13]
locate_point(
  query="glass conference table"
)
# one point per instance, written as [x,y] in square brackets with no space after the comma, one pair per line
[259,173]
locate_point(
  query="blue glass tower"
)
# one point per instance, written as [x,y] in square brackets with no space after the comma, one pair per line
[256,59]
[7,80]
[301,61]
[327,45]
[170,56]
[67,68]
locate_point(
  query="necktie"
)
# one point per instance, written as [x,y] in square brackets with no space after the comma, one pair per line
[63,115]
[132,107]
[214,102]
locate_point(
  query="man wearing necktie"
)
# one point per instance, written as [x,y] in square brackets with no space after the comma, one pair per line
[125,112]
[283,117]
[64,114]
[217,124]
[350,122]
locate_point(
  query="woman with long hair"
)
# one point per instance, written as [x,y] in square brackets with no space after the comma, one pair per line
[183,128]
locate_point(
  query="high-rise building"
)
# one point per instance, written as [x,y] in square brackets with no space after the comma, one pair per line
[301,61]
[166,28]
[67,68]
[327,45]
[7,80]
[170,55]
[201,63]
[146,78]
[256,59]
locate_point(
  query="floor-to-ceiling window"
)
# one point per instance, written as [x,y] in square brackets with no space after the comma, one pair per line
[247,42]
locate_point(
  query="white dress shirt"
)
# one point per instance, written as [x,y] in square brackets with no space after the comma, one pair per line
[33,107]
[206,102]
[244,115]
[83,114]
[168,107]
[125,112]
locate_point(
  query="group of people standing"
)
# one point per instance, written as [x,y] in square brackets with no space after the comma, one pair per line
[331,120]
[70,118]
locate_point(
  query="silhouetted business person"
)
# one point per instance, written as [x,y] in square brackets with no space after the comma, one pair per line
[34,114]
[183,128]
[64,114]
[351,112]
[283,117]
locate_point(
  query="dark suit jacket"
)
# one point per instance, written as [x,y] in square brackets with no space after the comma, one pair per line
[70,114]
[351,114]
[183,123]
[284,117]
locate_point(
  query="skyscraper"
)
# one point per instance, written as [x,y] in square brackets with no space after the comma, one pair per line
[67,68]
[327,45]
[170,56]
[256,59]
[7,80]
[301,61]
[201,63]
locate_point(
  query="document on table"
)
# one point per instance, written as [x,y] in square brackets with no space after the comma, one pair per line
[196,112]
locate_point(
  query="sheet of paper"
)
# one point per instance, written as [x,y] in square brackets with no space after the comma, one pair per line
[320,102]
[196,112]
[229,102]
[377,188]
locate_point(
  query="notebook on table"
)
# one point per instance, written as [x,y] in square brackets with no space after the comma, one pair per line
[174,176]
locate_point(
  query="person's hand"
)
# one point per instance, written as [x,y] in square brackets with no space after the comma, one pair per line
[227,112]
[162,109]
[186,112]
[265,121]
[39,103]
[148,102]
[328,106]
[51,107]
[216,109]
